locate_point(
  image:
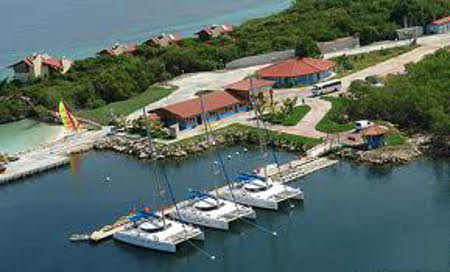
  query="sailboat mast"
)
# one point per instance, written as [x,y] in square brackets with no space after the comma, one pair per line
[149,134]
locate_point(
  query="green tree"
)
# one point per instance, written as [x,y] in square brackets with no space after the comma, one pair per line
[307,47]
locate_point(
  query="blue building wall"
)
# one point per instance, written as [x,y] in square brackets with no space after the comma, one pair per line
[213,116]
[439,29]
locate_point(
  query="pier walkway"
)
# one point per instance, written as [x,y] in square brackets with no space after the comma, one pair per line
[285,173]
[50,156]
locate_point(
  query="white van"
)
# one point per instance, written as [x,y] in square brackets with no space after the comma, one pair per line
[362,124]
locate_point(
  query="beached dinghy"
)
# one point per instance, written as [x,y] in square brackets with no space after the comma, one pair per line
[159,233]
[209,211]
[258,191]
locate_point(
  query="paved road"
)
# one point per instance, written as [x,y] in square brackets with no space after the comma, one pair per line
[319,108]
[189,84]
[428,45]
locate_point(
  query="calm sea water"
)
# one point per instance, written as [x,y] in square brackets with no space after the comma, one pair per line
[79,28]
[354,218]
[25,134]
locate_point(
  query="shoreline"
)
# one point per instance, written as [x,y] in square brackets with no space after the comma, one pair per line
[37,133]
[59,152]
[139,33]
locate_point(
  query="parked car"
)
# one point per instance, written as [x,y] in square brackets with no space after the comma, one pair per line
[362,124]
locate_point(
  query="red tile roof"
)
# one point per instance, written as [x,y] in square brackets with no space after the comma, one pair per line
[52,62]
[244,85]
[296,67]
[192,107]
[375,130]
[119,49]
[442,21]
[164,39]
[46,60]
[223,29]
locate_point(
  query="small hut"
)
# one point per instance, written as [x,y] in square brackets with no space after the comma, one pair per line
[374,136]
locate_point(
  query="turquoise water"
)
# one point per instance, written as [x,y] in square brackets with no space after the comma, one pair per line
[79,28]
[354,218]
[26,134]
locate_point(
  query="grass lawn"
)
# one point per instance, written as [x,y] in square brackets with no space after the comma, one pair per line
[327,124]
[256,132]
[122,108]
[291,119]
[346,65]
[394,136]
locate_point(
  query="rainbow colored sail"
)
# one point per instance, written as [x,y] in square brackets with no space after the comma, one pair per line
[69,121]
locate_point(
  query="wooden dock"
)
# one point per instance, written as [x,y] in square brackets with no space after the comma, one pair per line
[297,169]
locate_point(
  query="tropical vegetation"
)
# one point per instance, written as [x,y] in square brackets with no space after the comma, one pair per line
[98,81]
[335,120]
[419,100]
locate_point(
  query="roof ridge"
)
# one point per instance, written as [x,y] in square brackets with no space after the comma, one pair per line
[311,64]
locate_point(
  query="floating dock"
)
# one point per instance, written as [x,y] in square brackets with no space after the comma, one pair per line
[299,168]
[289,172]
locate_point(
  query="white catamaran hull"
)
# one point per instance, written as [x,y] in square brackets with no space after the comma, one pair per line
[219,218]
[165,240]
[267,199]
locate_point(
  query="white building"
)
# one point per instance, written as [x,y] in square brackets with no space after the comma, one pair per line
[39,65]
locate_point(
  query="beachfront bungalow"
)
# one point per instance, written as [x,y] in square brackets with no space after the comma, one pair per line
[119,49]
[164,40]
[257,87]
[298,71]
[189,114]
[38,66]
[440,26]
[214,31]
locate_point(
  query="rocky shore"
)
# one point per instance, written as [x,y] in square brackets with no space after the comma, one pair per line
[385,155]
[434,146]
[139,147]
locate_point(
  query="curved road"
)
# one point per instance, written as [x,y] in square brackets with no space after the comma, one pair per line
[190,84]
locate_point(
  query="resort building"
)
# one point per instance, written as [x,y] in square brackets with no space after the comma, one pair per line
[257,87]
[119,49]
[440,26]
[298,71]
[214,31]
[38,66]
[164,40]
[189,114]
[374,136]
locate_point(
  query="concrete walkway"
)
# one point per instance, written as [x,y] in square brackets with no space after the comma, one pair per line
[190,84]
[50,155]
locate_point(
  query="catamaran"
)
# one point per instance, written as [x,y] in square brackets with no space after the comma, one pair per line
[158,233]
[260,192]
[205,209]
